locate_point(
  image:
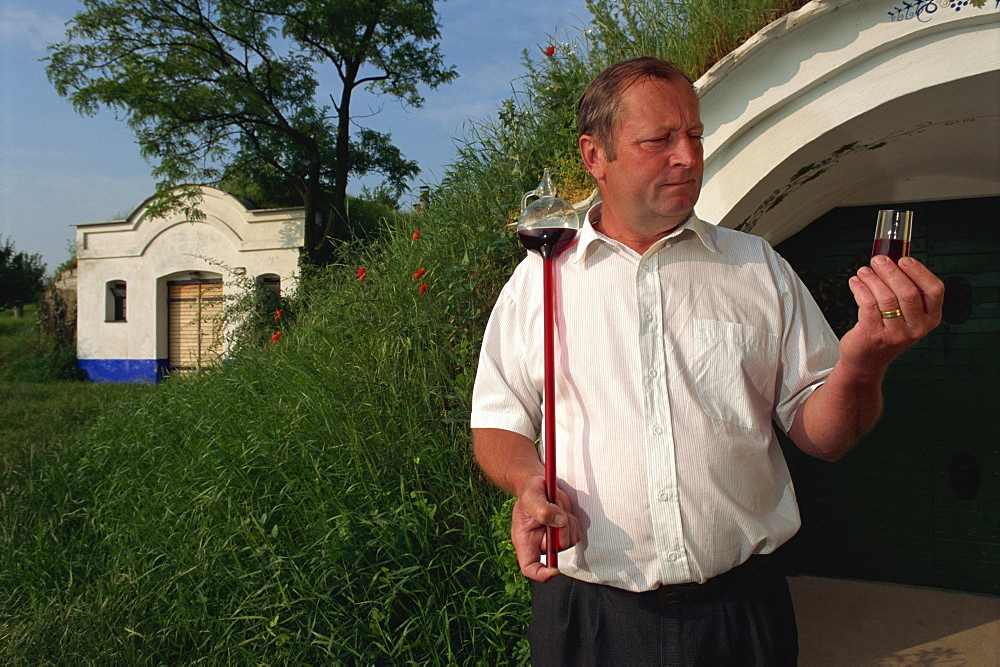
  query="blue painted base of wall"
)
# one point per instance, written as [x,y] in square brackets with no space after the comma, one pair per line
[124,370]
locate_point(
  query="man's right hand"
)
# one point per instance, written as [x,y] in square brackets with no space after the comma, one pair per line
[511,462]
[531,514]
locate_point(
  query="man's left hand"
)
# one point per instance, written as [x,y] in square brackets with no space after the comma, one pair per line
[882,290]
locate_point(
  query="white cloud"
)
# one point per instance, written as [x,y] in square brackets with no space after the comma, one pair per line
[30,27]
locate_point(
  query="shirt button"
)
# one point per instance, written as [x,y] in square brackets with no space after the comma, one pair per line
[658,430]
[672,556]
[649,316]
[664,495]
[652,372]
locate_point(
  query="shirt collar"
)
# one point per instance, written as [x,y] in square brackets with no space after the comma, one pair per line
[588,236]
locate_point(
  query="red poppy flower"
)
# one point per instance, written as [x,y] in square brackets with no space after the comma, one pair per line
[277,313]
[422,288]
[416,235]
[419,274]
[361,273]
[549,51]
[276,337]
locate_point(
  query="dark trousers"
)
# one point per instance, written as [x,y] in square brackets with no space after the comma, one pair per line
[750,622]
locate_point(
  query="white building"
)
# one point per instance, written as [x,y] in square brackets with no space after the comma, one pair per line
[150,289]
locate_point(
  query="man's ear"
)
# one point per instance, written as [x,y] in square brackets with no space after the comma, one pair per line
[593,156]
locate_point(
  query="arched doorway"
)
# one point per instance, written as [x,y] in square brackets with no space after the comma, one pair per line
[842,104]
[816,122]
[194,324]
[918,500]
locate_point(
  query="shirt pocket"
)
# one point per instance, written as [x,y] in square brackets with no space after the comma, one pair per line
[734,371]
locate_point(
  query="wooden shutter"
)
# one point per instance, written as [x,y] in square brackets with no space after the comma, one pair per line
[194,325]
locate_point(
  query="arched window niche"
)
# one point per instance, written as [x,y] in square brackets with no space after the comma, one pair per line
[115,301]
[271,281]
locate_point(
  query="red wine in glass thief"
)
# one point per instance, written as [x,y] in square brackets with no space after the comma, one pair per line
[548,241]
[892,234]
[891,247]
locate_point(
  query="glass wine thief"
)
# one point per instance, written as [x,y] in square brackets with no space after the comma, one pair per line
[549,224]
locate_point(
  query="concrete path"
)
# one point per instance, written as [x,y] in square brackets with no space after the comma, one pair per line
[853,623]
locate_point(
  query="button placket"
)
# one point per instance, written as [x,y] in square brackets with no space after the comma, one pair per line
[662,483]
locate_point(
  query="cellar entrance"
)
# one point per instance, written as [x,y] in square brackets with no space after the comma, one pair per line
[194,329]
[918,500]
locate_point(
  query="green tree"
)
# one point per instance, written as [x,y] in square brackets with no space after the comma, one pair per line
[21,275]
[228,91]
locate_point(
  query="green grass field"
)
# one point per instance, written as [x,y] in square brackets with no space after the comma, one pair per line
[37,410]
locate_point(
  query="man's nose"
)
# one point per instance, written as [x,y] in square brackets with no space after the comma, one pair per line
[687,153]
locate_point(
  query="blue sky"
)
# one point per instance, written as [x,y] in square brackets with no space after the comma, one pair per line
[58,169]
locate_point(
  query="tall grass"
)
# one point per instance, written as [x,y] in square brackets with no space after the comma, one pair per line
[27,355]
[314,500]
[38,406]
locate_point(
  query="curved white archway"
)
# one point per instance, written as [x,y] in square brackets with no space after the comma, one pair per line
[818,120]
[847,103]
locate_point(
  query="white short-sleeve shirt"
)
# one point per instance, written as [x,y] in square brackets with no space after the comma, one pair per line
[669,370]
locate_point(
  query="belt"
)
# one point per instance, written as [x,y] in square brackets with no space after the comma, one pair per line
[712,589]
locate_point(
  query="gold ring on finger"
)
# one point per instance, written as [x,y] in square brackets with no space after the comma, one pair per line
[891,314]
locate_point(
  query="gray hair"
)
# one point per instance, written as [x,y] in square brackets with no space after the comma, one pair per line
[597,112]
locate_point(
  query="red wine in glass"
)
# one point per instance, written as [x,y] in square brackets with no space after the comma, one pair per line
[893,248]
[548,226]
[892,234]
[547,241]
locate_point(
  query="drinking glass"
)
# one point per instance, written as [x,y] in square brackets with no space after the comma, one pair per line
[893,230]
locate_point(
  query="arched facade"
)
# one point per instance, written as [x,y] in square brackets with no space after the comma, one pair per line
[825,116]
[163,279]
[849,103]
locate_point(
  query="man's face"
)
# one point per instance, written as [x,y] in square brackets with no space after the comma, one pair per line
[654,182]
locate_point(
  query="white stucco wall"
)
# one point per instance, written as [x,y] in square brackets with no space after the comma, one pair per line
[852,102]
[146,252]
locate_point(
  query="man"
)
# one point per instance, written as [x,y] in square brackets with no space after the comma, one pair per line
[679,342]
